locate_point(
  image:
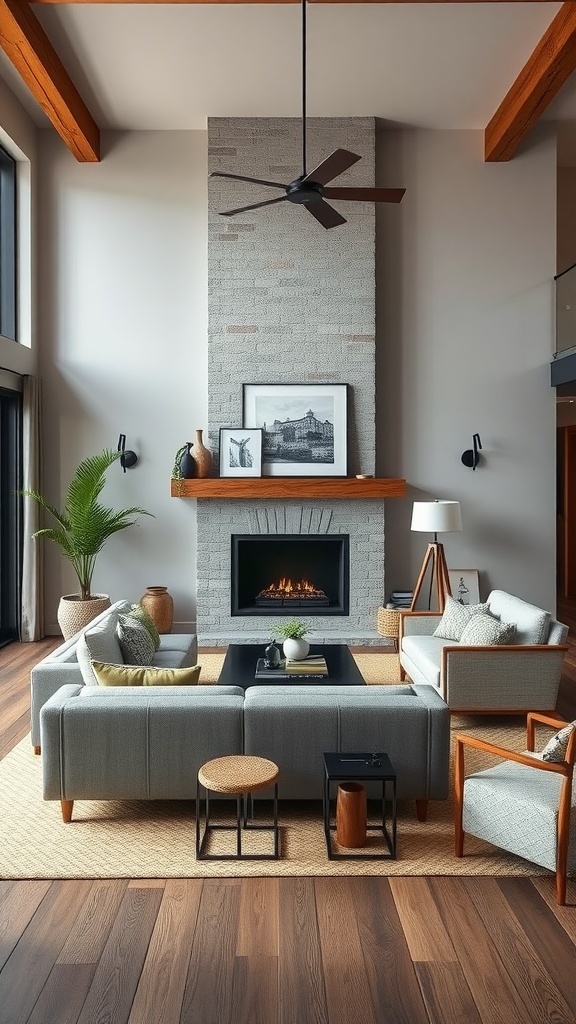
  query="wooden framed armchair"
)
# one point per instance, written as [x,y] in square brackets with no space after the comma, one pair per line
[523,804]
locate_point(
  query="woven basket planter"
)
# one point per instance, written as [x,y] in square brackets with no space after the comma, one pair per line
[74,613]
[388,622]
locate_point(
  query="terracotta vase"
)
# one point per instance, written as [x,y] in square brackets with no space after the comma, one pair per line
[160,607]
[351,815]
[202,456]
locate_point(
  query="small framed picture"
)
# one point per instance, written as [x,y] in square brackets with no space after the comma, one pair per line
[304,427]
[465,585]
[240,451]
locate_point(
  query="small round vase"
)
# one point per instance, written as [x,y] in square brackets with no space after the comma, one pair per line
[296,650]
[202,456]
[160,607]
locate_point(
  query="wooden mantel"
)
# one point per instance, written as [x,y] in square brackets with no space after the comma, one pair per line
[289,487]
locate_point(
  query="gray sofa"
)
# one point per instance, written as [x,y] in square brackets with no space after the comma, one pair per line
[61,666]
[519,677]
[134,743]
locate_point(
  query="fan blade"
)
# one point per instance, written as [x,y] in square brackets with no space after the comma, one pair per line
[324,213]
[242,177]
[254,206]
[338,162]
[366,195]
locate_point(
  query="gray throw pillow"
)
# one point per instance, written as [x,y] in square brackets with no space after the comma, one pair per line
[485,629]
[136,644]
[455,617]
[98,643]
[555,749]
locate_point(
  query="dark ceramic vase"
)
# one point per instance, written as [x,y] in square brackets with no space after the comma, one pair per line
[187,463]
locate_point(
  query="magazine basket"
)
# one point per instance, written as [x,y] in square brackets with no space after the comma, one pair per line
[388,622]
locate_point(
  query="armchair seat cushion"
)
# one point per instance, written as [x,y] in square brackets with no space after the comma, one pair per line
[515,808]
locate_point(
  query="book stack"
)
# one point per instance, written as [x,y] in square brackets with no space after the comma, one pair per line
[401,598]
[314,664]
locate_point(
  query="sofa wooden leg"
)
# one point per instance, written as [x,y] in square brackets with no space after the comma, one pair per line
[67,807]
[421,810]
[36,750]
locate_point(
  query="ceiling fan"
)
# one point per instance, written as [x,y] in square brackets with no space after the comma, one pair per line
[310,189]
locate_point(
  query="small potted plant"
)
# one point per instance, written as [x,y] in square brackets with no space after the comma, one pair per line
[293,632]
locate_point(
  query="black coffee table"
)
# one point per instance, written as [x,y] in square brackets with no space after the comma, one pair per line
[240,665]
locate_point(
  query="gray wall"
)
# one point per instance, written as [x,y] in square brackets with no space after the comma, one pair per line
[465,334]
[465,317]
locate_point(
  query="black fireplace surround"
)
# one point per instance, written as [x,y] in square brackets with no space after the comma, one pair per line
[290,574]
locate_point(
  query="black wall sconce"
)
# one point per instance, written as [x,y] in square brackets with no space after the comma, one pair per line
[471,457]
[128,458]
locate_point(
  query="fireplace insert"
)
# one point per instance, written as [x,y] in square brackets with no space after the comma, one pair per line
[290,574]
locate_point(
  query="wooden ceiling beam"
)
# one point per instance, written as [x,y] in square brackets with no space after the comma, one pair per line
[280,1]
[545,72]
[28,48]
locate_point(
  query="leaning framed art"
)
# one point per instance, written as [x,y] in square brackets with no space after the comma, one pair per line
[303,427]
[240,451]
[465,585]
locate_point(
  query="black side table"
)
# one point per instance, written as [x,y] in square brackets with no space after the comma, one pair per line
[361,767]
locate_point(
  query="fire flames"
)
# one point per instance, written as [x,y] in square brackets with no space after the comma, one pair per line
[285,589]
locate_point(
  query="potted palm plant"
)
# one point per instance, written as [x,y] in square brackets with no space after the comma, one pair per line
[81,531]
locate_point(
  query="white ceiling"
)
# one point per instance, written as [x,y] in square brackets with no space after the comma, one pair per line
[152,66]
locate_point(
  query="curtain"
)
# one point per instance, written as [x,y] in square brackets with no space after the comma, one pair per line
[32,610]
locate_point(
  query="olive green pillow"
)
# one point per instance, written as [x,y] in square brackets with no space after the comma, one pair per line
[140,675]
[140,613]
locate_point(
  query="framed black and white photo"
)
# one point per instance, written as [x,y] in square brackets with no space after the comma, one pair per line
[303,427]
[240,451]
[465,585]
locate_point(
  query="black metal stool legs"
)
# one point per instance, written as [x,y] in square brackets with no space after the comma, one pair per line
[244,823]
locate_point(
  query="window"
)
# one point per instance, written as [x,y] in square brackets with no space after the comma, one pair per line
[10,530]
[7,245]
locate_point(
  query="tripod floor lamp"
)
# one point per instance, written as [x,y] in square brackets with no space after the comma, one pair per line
[435,517]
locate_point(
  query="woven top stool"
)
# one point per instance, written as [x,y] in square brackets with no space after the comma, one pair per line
[240,776]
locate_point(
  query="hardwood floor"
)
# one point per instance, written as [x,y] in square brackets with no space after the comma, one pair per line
[281,951]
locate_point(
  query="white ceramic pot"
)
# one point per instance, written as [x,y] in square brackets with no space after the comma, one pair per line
[296,650]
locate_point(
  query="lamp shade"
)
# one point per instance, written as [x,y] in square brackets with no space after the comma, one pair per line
[436,516]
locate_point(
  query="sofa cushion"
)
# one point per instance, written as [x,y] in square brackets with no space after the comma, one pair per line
[455,617]
[140,675]
[485,629]
[98,643]
[425,652]
[136,644]
[532,623]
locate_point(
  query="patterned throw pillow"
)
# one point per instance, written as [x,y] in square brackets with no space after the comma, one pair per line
[135,641]
[455,617]
[485,629]
[140,613]
[555,749]
[138,675]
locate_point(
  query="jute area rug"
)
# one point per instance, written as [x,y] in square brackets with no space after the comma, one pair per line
[137,839]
